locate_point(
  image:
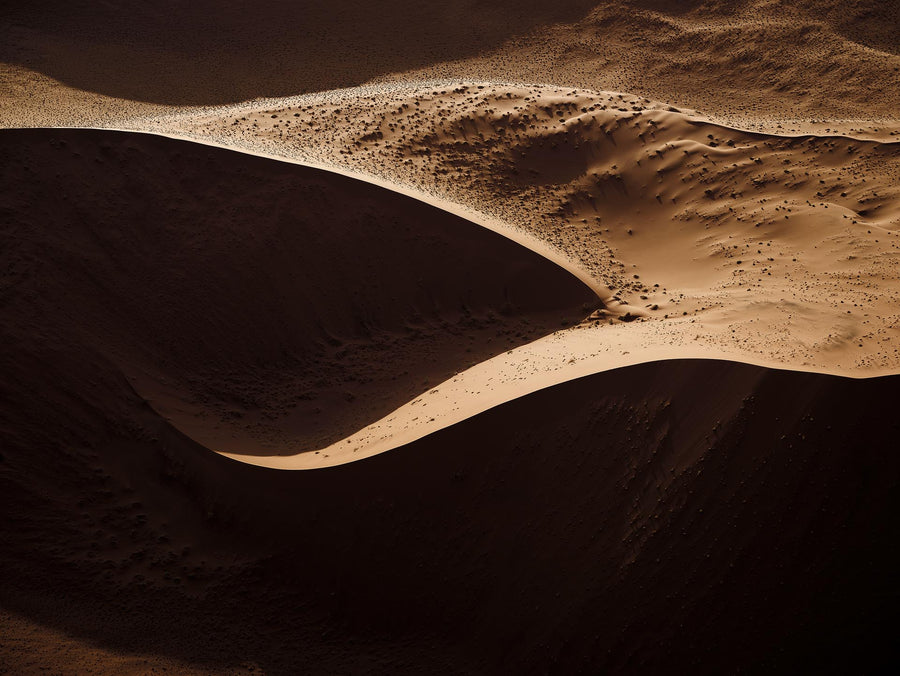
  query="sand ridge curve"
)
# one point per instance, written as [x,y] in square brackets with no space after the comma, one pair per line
[774,249]
[692,471]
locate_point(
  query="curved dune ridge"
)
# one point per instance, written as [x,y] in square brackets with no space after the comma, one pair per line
[679,515]
[773,249]
[580,168]
[265,308]
[673,516]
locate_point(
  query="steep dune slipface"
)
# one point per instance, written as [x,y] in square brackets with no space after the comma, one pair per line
[264,307]
[683,516]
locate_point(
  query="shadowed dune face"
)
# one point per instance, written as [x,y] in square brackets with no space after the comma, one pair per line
[264,307]
[681,516]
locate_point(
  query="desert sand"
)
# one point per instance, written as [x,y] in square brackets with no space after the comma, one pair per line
[578,320]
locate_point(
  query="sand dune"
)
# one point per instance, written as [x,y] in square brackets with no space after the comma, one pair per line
[738,60]
[214,52]
[614,283]
[779,246]
[264,307]
[678,516]
[771,249]
[672,516]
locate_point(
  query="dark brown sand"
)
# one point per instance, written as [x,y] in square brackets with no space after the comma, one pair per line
[677,516]
[160,300]
[673,517]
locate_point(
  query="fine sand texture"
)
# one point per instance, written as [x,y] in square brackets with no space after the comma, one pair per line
[777,246]
[449,338]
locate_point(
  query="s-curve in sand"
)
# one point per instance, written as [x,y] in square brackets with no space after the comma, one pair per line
[581,319]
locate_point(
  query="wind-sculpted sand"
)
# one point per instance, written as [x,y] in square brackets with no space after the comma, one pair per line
[717,242]
[760,62]
[677,515]
[751,235]
[577,324]
[263,307]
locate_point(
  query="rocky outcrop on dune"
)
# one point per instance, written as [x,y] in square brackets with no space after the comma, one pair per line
[679,516]
[265,307]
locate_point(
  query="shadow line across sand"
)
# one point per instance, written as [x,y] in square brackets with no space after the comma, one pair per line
[671,516]
[263,306]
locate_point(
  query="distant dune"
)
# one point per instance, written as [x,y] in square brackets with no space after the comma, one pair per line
[217,51]
[736,59]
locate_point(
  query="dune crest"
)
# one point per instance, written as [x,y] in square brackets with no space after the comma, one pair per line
[724,243]
[678,215]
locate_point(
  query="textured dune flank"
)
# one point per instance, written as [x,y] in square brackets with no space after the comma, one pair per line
[772,249]
[582,315]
